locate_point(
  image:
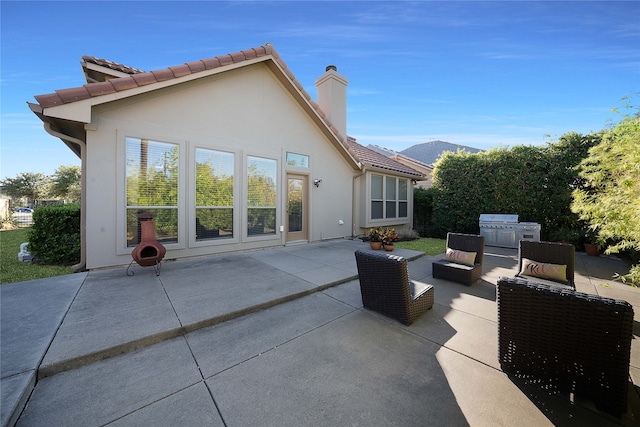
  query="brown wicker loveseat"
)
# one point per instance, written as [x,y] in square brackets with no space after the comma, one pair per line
[559,338]
[386,288]
[457,272]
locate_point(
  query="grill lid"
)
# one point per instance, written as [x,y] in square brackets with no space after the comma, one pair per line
[499,218]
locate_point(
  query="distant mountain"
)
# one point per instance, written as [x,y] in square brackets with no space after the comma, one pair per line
[430,152]
[427,152]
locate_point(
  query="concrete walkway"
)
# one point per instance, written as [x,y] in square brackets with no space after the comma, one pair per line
[276,337]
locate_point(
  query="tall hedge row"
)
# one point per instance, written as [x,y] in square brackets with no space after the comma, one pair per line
[55,235]
[535,182]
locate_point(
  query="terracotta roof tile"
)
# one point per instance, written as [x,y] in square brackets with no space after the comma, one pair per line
[196,66]
[162,75]
[112,65]
[225,60]
[250,54]
[144,78]
[73,94]
[180,70]
[102,88]
[48,100]
[211,63]
[123,83]
[237,57]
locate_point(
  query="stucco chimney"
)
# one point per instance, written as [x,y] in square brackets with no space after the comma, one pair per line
[332,98]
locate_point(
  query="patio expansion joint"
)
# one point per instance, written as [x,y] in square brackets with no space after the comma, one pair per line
[39,365]
[283,343]
[75,362]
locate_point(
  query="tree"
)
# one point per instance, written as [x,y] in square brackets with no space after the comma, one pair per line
[32,186]
[608,200]
[66,184]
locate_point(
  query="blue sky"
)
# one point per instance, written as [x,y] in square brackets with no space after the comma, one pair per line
[482,74]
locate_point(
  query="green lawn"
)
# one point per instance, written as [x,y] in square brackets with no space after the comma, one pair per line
[12,270]
[425,244]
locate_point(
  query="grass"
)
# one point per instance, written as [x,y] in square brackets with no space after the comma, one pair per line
[427,245]
[12,270]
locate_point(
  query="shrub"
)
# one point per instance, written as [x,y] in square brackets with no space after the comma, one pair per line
[534,182]
[55,235]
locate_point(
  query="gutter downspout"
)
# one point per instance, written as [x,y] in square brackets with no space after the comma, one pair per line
[353,203]
[83,199]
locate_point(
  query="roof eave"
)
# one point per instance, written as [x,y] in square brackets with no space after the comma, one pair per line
[373,168]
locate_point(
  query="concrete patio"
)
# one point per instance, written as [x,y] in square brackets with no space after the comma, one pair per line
[275,337]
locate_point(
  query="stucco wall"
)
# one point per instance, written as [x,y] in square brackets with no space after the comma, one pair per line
[247,112]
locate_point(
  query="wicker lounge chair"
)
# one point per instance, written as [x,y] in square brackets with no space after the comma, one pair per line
[548,252]
[566,340]
[386,288]
[461,273]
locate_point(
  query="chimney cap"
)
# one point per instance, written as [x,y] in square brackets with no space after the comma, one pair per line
[331,67]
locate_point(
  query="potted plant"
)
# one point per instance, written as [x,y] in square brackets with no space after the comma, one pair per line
[388,237]
[375,238]
[590,245]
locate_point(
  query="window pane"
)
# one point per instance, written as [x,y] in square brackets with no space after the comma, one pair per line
[151,186]
[165,224]
[295,205]
[261,196]
[152,173]
[391,189]
[376,210]
[261,221]
[376,187]
[391,210]
[402,209]
[402,189]
[300,160]
[214,223]
[261,182]
[214,178]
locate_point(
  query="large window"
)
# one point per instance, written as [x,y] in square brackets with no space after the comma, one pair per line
[152,186]
[261,196]
[389,197]
[214,194]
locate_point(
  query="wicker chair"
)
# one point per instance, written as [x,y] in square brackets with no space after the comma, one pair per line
[386,288]
[566,340]
[548,252]
[466,274]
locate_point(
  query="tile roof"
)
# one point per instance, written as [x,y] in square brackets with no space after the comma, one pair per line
[396,155]
[112,65]
[378,160]
[141,78]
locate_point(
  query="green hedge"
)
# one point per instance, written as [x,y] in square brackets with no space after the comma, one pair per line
[535,182]
[55,235]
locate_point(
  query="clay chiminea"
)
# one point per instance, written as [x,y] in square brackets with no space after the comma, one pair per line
[149,251]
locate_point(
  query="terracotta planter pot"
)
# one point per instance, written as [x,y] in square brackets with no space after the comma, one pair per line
[375,245]
[389,248]
[591,249]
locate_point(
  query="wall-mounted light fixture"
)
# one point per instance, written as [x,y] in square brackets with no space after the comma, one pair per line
[317,182]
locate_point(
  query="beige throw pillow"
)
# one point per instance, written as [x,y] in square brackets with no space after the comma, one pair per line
[544,270]
[460,257]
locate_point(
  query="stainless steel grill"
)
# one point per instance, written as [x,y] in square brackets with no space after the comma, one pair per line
[505,231]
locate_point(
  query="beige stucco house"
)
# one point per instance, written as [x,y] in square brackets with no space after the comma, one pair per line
[229,153]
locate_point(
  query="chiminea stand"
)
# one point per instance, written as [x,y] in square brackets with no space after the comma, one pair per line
[149,251]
